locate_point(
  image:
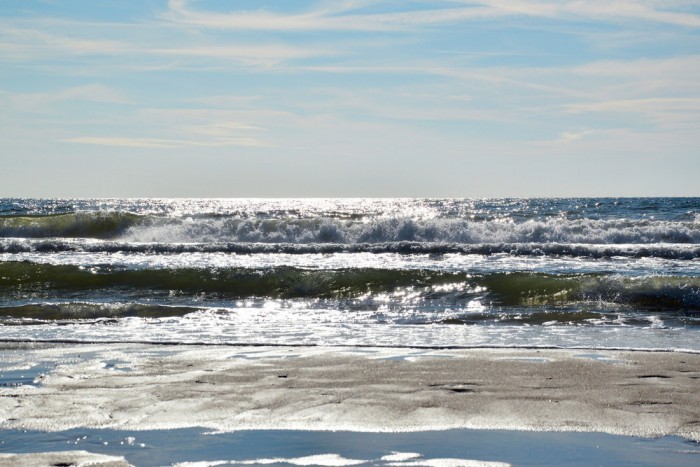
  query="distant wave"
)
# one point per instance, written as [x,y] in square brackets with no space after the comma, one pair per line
[129,227]
[71,225]
[517,289]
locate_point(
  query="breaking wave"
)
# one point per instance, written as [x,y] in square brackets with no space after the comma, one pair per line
[387,230]
[129,227]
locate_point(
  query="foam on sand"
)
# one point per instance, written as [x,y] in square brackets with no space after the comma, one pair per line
[647,394]
[334,460]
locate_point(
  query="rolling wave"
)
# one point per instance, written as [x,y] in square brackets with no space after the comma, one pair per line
[70,225]
[108,314]
[659,250]
[42,312]
[24,280]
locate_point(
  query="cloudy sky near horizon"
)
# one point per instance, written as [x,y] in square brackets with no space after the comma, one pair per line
[472,98]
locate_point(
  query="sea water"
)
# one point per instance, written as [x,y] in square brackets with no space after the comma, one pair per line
[573,273]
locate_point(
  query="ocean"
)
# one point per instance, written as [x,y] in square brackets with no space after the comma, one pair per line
[595,273]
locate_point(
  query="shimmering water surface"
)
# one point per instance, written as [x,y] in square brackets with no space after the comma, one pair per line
[601,273]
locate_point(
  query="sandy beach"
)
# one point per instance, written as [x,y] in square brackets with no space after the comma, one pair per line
[648,394]
[127,393]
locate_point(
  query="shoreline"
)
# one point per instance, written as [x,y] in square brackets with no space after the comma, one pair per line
[117,405]
[225,389]
[190,447]
[8,344]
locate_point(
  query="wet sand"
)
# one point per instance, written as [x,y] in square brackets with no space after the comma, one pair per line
[66,458]
[136,387]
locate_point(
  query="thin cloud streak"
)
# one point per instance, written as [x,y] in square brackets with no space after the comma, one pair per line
[40,102]
[335,20]
[28,45]
[639,105]
[158,143]
[266,55]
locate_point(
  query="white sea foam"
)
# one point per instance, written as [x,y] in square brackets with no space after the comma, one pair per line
[289,327]
[448,462]
[327,230]
[401,456]
[332,460]
[475,263]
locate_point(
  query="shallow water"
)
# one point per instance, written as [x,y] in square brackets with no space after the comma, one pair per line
[280,447]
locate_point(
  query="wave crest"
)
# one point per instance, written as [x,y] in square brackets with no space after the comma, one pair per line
[521,289]
[326,230]
[129,227]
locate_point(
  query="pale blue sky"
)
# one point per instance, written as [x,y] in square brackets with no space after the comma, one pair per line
[218,98]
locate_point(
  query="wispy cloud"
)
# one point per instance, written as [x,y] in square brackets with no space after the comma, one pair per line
[30,45]
[662,92]
[154,143]
[615,143]
[319,19]
[663,113]
[182,128]
[571,136]
[652,11]
[259,54]
[39,102]
[123,142]
[640,105]
[384,81]
[685,65]
[27,43]
[346,16]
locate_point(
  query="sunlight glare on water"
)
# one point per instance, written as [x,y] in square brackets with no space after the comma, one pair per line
[446,272]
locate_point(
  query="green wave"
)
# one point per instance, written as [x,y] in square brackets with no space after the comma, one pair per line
[20,280]
[281,282]
[538,289]
[83,311]
[102,225]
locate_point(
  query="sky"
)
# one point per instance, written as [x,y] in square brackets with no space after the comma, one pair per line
[349,98]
